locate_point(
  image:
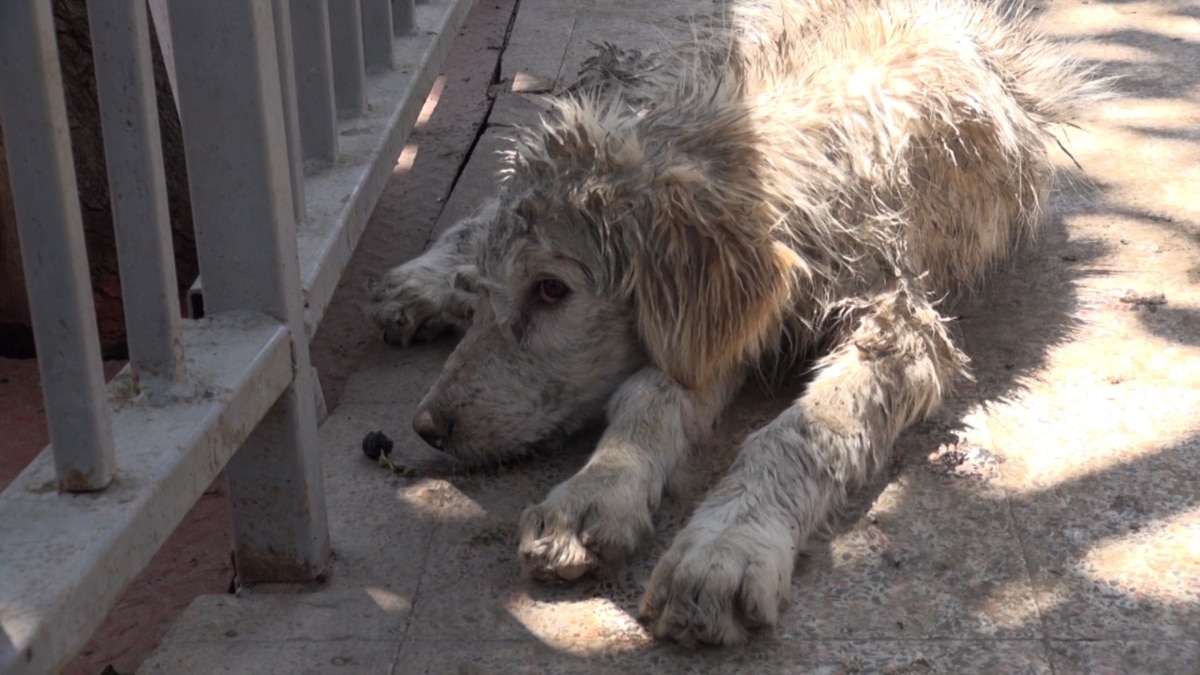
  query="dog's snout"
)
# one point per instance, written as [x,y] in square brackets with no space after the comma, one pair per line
[434,429]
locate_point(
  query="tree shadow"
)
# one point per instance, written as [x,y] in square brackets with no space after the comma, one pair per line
[1167,69]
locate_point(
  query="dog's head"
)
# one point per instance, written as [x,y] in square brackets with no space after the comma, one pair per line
[611,251]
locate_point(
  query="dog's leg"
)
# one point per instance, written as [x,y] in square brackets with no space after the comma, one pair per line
[729,570]
[423,297]
[600,515]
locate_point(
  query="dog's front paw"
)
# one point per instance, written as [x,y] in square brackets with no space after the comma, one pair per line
[587,523]
[717,586]
[420,301]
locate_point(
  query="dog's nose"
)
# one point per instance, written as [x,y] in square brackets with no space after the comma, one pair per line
[434,429]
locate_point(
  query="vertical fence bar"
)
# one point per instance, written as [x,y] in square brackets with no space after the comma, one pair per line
[377,35]
[404,17]
[34,117]
[231,109]
[133,150]
[287,86]
[314,79]
[346,39]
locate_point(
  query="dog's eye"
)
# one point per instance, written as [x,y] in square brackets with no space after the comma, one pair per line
[551,291]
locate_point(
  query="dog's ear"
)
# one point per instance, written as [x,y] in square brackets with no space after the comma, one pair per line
[709,281]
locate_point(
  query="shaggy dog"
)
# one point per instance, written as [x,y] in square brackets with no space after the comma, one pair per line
[801,183]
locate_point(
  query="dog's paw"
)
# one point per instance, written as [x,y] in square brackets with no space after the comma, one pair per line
[585,524]
[716,587]
[420,301]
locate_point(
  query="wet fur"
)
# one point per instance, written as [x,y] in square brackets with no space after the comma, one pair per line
[803,177]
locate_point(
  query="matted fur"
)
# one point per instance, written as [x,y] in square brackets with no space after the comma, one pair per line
[805,178]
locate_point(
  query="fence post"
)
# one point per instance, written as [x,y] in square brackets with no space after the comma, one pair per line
[46,200]
[291,116]
[137,185]
[404,19]
[349,74]
[231,110]
[377,35]
[314,80]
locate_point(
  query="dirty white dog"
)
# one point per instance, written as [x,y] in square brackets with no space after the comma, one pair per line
[808,179]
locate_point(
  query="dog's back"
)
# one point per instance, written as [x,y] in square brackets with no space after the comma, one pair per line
[888,136]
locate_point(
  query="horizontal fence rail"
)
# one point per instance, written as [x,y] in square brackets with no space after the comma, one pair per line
[293,113]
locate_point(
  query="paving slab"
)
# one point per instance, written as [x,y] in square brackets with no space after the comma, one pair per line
[631,24]
[541,33]
[517,109]
[930,559]
[396,378]
[1120,657]
[763,656]
[365,601]
[283,657]
[477,182]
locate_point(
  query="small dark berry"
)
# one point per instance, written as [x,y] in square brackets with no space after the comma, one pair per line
[376,443]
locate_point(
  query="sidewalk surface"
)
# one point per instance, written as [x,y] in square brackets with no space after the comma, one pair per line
[1047,519]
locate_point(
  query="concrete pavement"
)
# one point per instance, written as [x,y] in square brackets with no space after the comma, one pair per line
[1045,520]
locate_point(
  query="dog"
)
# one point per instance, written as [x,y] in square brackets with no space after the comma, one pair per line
[803,182]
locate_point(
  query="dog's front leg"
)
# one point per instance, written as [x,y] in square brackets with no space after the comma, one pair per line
[600,515]
[729,570]
[435,291]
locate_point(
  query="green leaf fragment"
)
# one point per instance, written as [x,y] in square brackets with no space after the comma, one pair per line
[402,470]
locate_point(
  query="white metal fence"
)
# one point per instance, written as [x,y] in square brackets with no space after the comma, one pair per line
[293,112]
